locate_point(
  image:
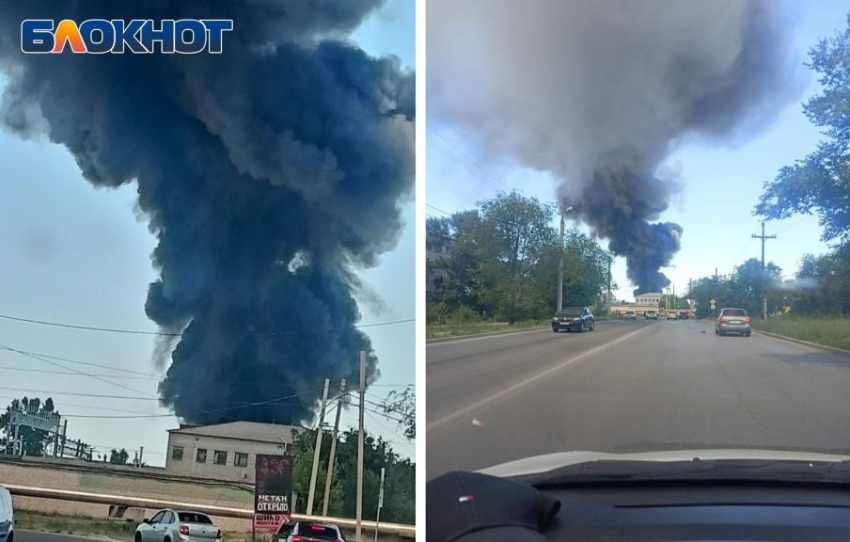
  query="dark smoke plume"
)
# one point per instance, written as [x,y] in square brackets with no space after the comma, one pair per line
[599,92]
[269,174]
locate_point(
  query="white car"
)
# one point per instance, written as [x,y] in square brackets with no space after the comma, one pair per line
[178,526]
[672,316]
[7,516]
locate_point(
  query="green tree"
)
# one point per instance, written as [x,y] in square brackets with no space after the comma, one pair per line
[400,406]
[119,457]
[820,183]
[399,485]
[34,440]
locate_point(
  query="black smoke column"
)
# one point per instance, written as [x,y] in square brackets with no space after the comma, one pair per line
[599,93]
[269,174]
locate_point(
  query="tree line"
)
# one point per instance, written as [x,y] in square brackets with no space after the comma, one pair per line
[818,185]
[499,261]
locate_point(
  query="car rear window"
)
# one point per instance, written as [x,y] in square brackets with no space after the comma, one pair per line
[194,517]
[315,530]
[570,311]
[734,312]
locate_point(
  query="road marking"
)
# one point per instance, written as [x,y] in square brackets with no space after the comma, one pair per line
[530,380]
[455,340]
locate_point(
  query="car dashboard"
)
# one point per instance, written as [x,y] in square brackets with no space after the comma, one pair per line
[678,512]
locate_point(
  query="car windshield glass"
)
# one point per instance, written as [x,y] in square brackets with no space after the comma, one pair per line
[611,178]
[194,517]
[314,530]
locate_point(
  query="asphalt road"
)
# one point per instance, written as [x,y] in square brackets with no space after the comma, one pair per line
[629,387]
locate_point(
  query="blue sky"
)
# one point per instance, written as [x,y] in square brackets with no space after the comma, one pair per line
[721,185]
[76,254]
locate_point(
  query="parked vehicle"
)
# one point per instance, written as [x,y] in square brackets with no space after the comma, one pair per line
[684,315]
[573,318]
[7,516]
[733,321]
[672,316]
[310,531]
[630,315]
[651,315]
[178,526]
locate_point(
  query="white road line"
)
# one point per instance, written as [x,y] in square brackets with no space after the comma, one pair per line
[530,380]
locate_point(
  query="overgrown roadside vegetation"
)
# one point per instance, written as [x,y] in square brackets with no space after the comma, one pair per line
[833,332]
[495,267]
[77,525]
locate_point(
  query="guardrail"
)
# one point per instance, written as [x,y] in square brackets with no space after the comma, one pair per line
[407,531]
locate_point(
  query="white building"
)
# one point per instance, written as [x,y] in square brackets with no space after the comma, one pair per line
[225,451]
[649,298]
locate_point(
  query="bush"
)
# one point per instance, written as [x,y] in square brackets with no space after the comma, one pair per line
[463,315]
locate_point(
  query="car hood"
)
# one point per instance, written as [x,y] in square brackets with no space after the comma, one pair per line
[544,463]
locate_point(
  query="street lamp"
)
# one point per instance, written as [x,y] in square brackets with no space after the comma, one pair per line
[561,262]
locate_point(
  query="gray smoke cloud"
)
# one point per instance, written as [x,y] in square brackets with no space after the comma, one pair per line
[599,92]
[269,175]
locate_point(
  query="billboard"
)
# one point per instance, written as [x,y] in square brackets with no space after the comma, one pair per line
[272,490]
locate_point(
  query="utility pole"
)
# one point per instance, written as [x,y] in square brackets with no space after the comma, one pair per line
[608,301]
[141,453]
[560,303]
[380,504]
[317,450]
[358,530]
[328,478]
[763,238]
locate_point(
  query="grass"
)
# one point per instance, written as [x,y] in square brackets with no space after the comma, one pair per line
[124,530]
[828,331]
[55,523]
[436,331]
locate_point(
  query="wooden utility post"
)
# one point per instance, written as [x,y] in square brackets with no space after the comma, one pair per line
[340,403]
[763,238]
[358,530]
[317,450]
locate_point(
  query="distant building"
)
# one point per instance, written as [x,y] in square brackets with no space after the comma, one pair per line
[649,298]
[225,451]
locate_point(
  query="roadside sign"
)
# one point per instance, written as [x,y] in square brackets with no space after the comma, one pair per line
[712,301]
[272,488]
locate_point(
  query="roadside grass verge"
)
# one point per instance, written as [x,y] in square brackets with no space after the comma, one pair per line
[77,525]
[828,331]
[439,331]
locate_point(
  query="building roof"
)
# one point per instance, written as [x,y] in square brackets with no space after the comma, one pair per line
[258,432]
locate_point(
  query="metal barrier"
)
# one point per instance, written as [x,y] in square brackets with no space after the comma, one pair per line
[407,531]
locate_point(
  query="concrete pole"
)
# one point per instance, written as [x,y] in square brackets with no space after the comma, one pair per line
[380,504]
[561,269]
[330,473]
[358,531]
[317,450]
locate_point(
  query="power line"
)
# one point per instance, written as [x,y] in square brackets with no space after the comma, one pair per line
[45,360]
[42,371]
[100,366]
[437,209]
[166,334]
[76,394]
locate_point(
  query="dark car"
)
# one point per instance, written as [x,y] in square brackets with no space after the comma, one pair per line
[684,315]
[573,318]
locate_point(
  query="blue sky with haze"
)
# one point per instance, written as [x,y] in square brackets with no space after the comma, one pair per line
[721,185]
[76,254]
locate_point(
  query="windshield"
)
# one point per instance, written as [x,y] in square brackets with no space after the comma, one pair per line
[194,517]
[622,156]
